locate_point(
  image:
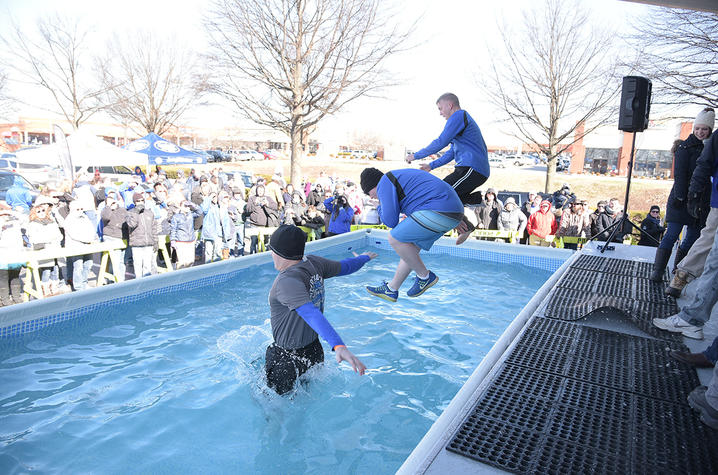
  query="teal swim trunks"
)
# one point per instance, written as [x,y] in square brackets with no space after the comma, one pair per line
[424,227]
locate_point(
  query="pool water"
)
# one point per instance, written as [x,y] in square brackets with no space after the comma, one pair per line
[174,383]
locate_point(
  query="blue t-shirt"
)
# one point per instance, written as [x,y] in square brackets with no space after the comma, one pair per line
[423,191]
[468,148]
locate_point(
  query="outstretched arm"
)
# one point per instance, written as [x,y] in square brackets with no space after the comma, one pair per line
[353,264]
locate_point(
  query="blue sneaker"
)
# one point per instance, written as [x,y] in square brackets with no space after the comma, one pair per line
[383,291]
[422,285]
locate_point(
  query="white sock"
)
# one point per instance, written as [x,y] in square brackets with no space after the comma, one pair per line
[424,277]
[390,287]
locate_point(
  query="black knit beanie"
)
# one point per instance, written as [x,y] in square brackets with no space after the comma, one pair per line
[288,242]
[370,179]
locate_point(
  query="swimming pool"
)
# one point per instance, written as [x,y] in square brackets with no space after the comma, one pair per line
[171,381]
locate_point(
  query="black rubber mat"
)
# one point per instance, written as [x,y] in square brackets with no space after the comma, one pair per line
[594,282]
[575,399]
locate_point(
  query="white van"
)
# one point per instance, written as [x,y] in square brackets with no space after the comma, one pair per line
[37,174]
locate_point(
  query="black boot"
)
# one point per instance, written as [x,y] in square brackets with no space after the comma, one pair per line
[659,264]
[680,254]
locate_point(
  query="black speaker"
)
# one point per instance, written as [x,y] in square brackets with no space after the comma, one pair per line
[635,104]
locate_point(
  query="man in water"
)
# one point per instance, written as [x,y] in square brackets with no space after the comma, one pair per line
[432,208]
[468,149]
[296,302]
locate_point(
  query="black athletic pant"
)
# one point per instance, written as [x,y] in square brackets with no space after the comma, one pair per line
[465,180]
[285,366]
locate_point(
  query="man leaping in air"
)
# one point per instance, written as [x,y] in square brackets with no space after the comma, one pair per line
[468,149]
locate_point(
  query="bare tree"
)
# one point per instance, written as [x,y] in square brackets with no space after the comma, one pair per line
[678,51]
[6,102]
[150,83]
[555,73]
[55,58]
[287,64]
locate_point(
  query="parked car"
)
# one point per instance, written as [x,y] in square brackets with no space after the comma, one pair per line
[115,173]
[519,160]
[208,158]
[245,155]
[216,156]
[7,178]
[38,174]
[240,175]
[497,162]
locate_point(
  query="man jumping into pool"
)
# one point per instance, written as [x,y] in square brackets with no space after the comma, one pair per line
[296,302]
[432,208]
[469,151]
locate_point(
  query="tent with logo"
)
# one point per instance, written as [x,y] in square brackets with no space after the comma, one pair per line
[163,152]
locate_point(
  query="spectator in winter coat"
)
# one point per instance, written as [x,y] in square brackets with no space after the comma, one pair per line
[574,223]
[114,229]
[600,221]
[512,219]
[563,198]
[215,228]
[651,226]
[542,226]
[488,212]
[143,235]
[11,242]
[341,215]
[678,220]
[182,233]
[44,232]
[316,196]
[295,211]
[79,230]
[18,197]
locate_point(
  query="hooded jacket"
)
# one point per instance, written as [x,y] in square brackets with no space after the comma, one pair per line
[574,224]
[706,167]
[216,225]
[686,157]
[141,226]
[262,213]
[542,223]
[114,222]
[514,220]
[18,196]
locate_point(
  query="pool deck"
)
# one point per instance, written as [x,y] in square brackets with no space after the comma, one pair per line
[580,382]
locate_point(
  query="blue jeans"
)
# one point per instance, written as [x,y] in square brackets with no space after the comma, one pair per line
[673,230]
[81,266]
[711,352]
[50,273]
[698,311]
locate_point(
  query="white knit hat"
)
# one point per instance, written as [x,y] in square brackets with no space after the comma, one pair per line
[706,117]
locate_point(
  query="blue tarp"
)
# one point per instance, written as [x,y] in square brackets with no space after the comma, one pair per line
[162,152]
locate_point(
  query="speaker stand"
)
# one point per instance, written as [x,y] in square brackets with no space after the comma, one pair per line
[620,224]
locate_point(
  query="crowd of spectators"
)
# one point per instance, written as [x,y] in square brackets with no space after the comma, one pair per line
[201,218]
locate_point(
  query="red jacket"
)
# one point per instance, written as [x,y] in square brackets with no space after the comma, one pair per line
[542,223]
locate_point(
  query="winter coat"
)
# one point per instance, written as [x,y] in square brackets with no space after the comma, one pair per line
[45,233]
[542,223]
[652,227]
[114,222]
[141,226]
[513,220]
[574,225]
[706,167]
[182,226]
[262,212]
[18,196]
[686,157]
[295,213]
[488,215]
[341,221]
[216,225]
[314,198]
[79,229]
[599,222]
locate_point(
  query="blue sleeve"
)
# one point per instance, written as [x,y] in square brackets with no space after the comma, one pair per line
[353,264]
[315,319]
[329,204]
[389,208]
[453,126]
[444,159]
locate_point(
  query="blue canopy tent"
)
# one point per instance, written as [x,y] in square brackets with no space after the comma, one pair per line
[162,152]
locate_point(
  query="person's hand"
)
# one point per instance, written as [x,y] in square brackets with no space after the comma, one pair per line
[461,228]
[425,166]
[173,244]
[409,157]
[371,255]
[693,206]
[343,354]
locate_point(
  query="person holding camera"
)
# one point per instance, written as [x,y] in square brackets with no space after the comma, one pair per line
[143,235]
[340,214]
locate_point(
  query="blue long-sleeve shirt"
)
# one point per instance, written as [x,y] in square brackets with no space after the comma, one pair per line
[468,148]
[423,191]
[343,221]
